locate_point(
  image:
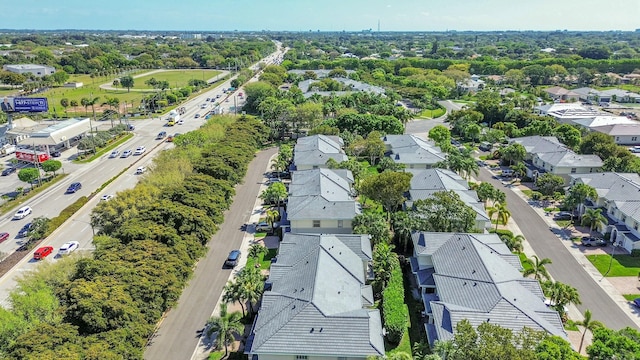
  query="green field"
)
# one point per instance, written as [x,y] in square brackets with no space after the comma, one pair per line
[176,78]
[622,265]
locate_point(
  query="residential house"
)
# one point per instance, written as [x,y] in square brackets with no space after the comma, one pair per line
[566,113]
[424,183]
[321,201]
[312,152]
[593,96]
[603,120]
[317,303]
[622,134]
[559,93]
[619,197]
[473,84]
[413,151]
[475,277]
[547,154]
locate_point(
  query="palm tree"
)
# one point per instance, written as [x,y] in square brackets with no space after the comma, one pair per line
[588,324]
[444,349]
[469,167]
[233,294]
[594,219]
[272,216]
[256,250]
[560,295]
[85,102]
[251,283]
[519,170]
[514,243]
[226,326]
[538,269]
[502,213]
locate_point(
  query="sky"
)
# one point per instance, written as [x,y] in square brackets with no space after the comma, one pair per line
[325,15]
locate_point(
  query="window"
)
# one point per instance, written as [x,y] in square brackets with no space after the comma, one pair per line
[635,225]
[316,223]
[590,170]
[634,138]
[302,357]
[617,138]
[340,224]
[573,170]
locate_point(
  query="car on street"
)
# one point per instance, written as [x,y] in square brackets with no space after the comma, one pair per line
[24,231]
[170,138]
[114,154]
[56,153]
[4,236]
[126,153]
[74,187]
[42,252]
[68,247]
[140,150]
[106,197]
[593,241]
[161,135]
[218,96]
[563,215]
[8,171]
[22,212]
[208,99]
[141,170]
[180,122]
[232,259]
[197,116]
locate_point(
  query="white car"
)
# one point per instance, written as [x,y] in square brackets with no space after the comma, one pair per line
[114,154]
[180,122]
[68,247]
[141,170]
[22,212]
[106,197]
[140,150]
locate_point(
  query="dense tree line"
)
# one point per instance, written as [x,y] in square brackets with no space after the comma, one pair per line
[106,306]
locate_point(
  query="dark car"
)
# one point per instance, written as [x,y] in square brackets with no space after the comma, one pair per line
[636,302]
[4,236]
[8,171]
[232,259]
[161,135]
[74,187]
[56,153]
[24,231]
[563,216]
[593,241]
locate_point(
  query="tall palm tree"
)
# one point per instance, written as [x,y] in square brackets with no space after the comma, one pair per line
[272,216]
[251,283]
[589,325]
[594,219]
[514,243]
[85,102]
[226,326]
[502,213]
[233,293]
[538,269]
[560,295]
[519,170]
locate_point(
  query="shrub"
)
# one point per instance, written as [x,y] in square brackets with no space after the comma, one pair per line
[635,253]
[394,309]
[65,214]
[502,232]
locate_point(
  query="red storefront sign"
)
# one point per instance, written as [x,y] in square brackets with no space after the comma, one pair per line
[30,156]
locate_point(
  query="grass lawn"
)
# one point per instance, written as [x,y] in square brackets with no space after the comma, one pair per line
[622,265]
[176,79]
[527,192]
[563,223]
[105,149]
[432,113]
[631,297]
[525,264]
[265,260]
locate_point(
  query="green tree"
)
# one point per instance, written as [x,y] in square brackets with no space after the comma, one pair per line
[588,324]
[519,170]
[568,135]
[29,175]
[388,188]
[51,166]
[443,211]
[513,153]
[537,268]
[373,224]
[274,194]
[560,296]
[127,81]
[548,183]
[226,327]
[383,262]
[514,243]
[594,219]
[440,134]
[615,344]
[578,194]
[232,293]
[272,216]
[60,77]
[502,213]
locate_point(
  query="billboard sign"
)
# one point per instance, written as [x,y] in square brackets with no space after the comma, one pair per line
[24,104]
[31,156]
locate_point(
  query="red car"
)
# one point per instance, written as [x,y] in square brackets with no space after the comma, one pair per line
[4,236]
[43,252]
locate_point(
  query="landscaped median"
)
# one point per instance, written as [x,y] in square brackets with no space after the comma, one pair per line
[21,199]
[105,149]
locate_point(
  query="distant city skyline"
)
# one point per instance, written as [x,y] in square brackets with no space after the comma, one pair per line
[326,15]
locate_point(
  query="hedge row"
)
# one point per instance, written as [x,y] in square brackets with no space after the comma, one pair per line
[394,310]
[64,215]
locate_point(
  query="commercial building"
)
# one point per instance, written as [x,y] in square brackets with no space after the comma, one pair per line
[37,70]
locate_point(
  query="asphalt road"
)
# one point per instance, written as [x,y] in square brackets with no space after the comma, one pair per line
[564,268]
[177,336]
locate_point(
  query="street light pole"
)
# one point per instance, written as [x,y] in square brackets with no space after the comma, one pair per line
[615,244]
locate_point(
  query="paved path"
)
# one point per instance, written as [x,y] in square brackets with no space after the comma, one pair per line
[177,335]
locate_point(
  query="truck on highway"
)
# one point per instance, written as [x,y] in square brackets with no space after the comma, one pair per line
[7,149]
[173,118]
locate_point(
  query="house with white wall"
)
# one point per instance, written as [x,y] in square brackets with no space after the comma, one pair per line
[413,151]
[313,152]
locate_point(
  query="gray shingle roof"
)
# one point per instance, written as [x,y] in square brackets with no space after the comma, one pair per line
[618,129]
[476,279]
[540,144]
[315,207]
[611,185]
[412,149]
[316,150]
[315,306]
[568,158]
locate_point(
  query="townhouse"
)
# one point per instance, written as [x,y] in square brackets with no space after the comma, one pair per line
[413,151]
[313,152]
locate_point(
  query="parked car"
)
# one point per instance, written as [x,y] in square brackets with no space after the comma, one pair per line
[106,197]
[22,212]
[126,153]
[56,153]
[42,252]
[197,116]
[74,187]
[68,247]
[636,302]
[8,171]
[140,150]
[232,259]
[131,127]
[563,215]
[264,227]
[24,231]
[141,170]
[593,241]
[4,236]
[114,154]
[161,135]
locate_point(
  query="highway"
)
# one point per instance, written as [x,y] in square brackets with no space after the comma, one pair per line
[94,174]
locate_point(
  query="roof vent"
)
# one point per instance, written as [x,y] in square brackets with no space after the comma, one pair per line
[320,330]
[339,292]
[301,290]
[311,331]
[475,283]
[473,272]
